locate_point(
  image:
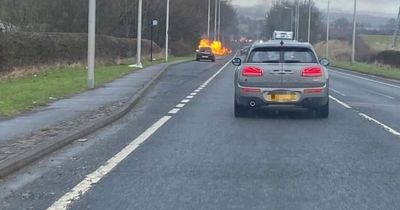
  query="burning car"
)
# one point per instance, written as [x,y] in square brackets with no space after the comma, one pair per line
[205,53]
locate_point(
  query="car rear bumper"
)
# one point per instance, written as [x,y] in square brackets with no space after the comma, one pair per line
[307,97]
[205,57]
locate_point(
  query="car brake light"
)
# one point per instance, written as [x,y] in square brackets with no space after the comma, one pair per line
[251,71]
[312,72]
[313,91]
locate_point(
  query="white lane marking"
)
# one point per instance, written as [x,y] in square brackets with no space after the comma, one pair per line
[193,94]
[381,94]
[189,97]
[363,78]
[180,105]
[185,101]
[338,92]
[387,128]
[340,102]
[84,186]
[174,111]
[197,90]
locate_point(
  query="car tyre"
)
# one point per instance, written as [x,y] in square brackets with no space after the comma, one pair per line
[213,60]
[240,111]
[322,112]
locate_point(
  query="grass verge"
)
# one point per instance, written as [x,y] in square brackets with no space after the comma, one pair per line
[22,94]
[382,71]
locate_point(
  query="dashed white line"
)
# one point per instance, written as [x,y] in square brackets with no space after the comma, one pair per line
[180,105]
[387,128]
[174,111]
[193,94]
[84,186]
[197,90]
[340,102]
[338,92]
[189,97]
[185,101]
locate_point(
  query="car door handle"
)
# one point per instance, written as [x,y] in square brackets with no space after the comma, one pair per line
[277,71]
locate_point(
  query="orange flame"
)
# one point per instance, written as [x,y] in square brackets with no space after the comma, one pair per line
[216,46]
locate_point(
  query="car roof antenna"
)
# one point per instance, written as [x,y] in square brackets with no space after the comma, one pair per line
[282,43]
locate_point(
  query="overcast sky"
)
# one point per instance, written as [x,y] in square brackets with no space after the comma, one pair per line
[381,6]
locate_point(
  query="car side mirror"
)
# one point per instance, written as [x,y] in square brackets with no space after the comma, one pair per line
[237,61]
[324,62]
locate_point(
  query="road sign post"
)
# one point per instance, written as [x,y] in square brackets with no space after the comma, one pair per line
[91,43]
[153,24]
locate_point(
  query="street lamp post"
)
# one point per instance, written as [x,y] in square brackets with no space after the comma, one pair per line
[215,19]
[353,52]
[328,22]
[208,19]
[291,18]
[297,19]
[139,37]
[91,43]
[167,33]
[219,21]
[309,21]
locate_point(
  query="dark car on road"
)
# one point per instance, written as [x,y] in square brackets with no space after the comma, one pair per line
[278,74]
[205,53]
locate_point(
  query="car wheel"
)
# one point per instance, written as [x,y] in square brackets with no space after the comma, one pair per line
[322,112]
[240,111]
[213,60]
[197,59]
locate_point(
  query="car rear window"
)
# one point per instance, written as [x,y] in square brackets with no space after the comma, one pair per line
[282,55]
[205,49]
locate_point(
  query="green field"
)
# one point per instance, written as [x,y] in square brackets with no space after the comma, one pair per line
[378,42]
[21,94]
[386,72]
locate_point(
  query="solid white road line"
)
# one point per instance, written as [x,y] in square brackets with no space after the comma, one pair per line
[340,102]
[180,105]
[174,111]
[338,92]
[381,94]
[84,186]
[366,79]
[389,129]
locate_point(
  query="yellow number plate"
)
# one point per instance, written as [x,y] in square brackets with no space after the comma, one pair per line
[282,97]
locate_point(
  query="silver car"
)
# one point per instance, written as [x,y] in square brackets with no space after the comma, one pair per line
[281,74]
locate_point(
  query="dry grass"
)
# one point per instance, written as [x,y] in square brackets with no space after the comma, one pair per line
[338,50]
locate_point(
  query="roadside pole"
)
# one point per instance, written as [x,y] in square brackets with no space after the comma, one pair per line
[297,20]
[167,33]
[139,38]
[215,19]
[219,21]
[353,52]
[91,43]
[208,19]
[328,29]
[309,21]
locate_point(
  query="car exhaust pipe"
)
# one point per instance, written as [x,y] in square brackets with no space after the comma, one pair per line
[252,104]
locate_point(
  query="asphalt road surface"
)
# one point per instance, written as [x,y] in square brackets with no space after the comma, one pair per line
[182,148]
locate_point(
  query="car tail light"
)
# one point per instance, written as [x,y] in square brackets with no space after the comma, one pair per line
[251,71]
[313,91]
[312,72]
[250,90]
